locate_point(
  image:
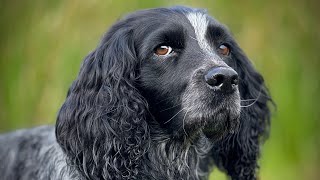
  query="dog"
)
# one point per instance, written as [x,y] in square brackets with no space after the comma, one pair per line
[167,94]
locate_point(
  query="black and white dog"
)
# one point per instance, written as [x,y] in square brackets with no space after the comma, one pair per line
[167,94]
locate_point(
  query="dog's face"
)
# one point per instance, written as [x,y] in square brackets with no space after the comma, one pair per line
[184,73]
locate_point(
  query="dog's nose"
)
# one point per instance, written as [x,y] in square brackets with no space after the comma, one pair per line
[222,78]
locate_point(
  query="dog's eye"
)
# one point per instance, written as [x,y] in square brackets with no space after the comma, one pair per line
[163,50]
[224,50]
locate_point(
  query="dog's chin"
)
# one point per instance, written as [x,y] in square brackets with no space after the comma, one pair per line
[216,125]
[220,125]
[209,113]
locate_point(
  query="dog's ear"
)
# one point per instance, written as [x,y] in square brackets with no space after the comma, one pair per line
[254,94]
[102,121]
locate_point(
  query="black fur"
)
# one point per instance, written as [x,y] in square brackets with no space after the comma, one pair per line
[132,114]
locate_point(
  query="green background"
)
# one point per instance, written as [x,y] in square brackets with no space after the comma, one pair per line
[42,44]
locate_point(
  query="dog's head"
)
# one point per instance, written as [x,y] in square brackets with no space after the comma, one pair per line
[186,72]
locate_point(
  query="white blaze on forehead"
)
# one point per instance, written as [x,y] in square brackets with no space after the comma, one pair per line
[200,24]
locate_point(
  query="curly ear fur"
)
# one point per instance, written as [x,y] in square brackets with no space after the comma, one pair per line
[238,154]
[101,126]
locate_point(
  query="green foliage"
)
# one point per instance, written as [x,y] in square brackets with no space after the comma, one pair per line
[43,42]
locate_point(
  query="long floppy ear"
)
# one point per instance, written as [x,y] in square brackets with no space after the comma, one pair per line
[255,98]
[101,126]
[238,154]
[254,95]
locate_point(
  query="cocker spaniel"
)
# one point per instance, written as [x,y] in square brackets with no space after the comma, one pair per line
[167,94]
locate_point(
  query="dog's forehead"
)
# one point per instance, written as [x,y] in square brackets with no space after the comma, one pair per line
[200,23]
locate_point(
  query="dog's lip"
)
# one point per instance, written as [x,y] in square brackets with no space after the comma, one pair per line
[217,127]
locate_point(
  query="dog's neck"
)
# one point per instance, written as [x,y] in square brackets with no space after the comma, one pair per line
[173,158]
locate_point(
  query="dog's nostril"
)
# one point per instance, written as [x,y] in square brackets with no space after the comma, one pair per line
[216,80]
[234,80]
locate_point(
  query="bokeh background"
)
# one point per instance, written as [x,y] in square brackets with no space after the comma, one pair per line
[42,44]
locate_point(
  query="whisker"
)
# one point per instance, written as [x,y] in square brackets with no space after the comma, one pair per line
[170,107]
[173,116]
[244,100]
[183,123]
[254,101]
[245,106]
[194,38]
[164,100]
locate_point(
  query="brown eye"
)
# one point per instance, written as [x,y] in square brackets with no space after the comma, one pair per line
[224,50]
[163,50]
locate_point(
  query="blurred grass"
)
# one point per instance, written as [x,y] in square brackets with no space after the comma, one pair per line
[43,42]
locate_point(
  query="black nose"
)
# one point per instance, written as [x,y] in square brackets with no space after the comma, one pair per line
[222,78]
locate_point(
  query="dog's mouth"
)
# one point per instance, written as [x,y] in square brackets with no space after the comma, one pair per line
[214,125]
[215,117]
[221,124]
